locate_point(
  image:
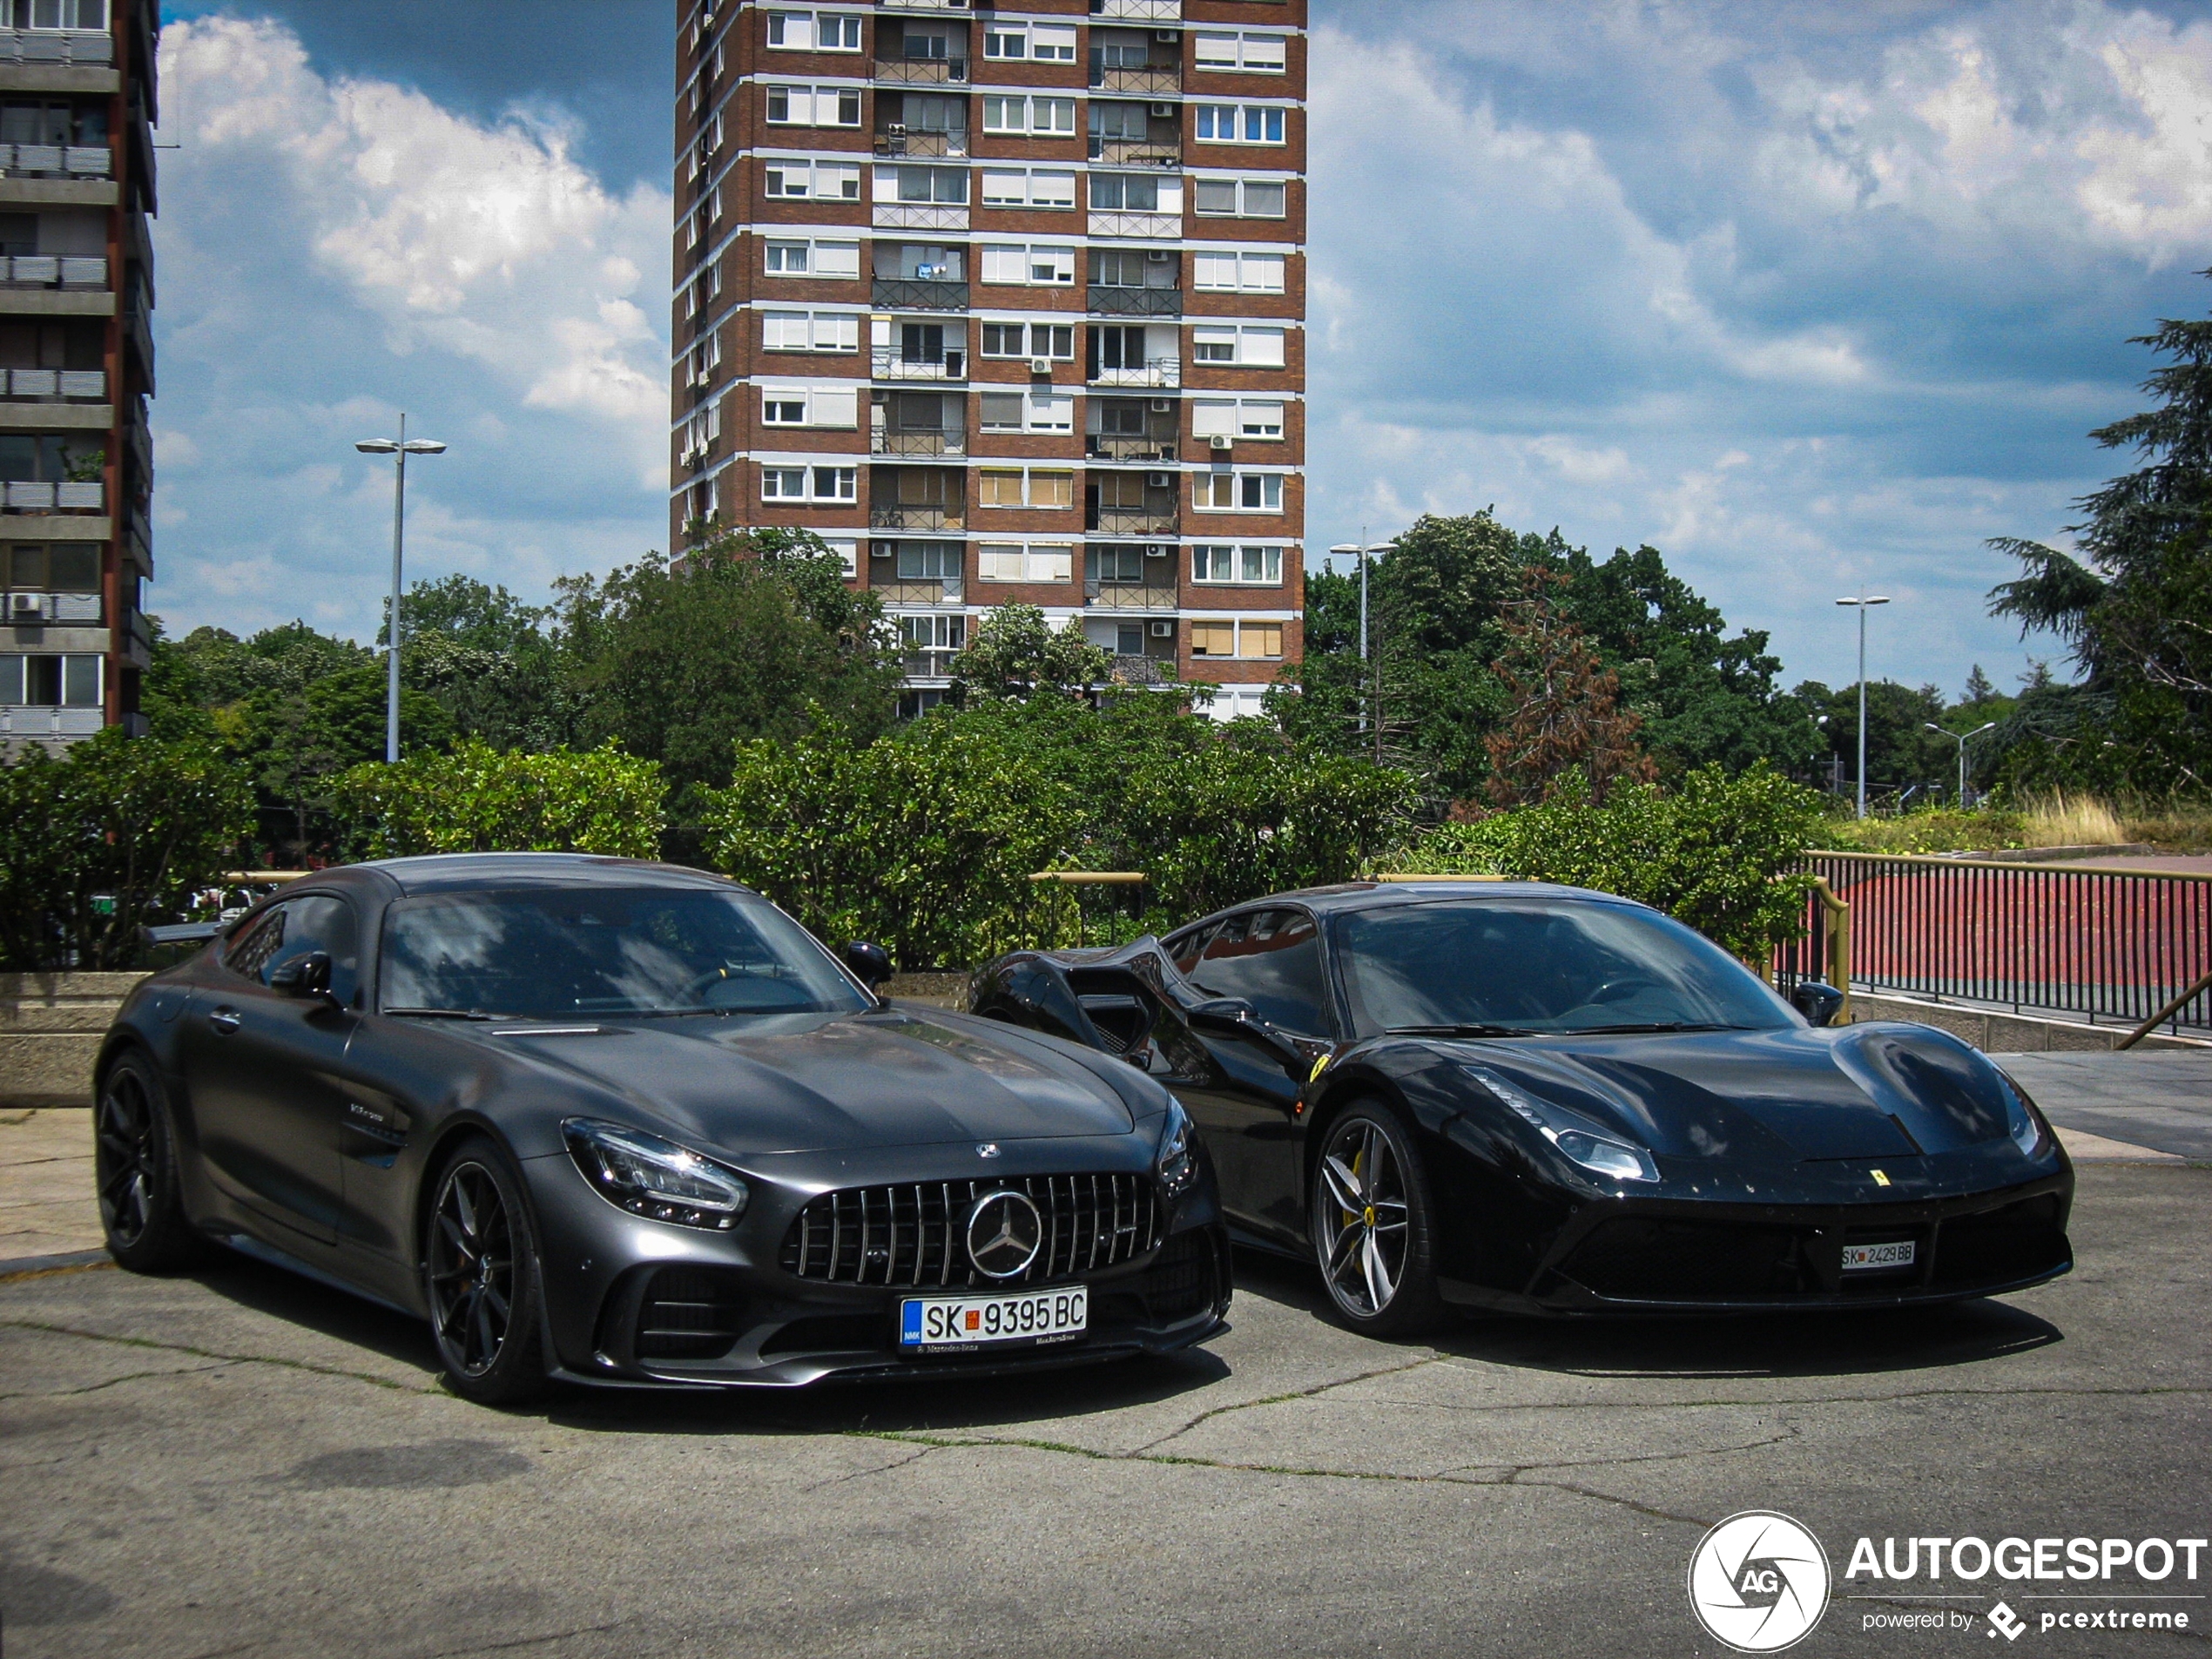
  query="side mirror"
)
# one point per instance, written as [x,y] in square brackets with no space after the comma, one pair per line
[307,976]
[1818,1002]
[1227,1016]
[871,964]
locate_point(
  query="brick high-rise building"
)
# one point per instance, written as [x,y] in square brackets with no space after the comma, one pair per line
[76,107]
[1006,304]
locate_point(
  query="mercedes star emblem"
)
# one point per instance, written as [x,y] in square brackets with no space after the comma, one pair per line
[1004,1233]
[987,1149]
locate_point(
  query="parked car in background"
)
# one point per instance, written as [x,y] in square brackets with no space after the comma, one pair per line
[1533,1098]
[617,1121]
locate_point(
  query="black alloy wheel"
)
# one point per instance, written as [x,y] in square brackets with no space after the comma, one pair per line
[134,1172]
[481,1273]
[1371,1227]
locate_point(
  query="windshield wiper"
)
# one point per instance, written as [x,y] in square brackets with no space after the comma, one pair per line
[1470,1030]
[1650,1026]
[445,1013]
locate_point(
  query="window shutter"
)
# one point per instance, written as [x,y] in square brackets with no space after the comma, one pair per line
[835,406]
[1213,418]
[1005,262]
[1262,349]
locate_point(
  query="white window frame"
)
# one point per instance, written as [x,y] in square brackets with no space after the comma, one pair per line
[1048,412]
[1023,115]
[1028,492]
[1243,188]
[846,25]
[1249,271]
[1037,42]
[821,330]
[829,408]
[1249,52]
[1032,257]
[1242,485]
[803,105]
[832,181]
[1050,562]
[1059,341]
[843,481]
[812,250]
[1260,125]
[1217,564]
[1025,180]
[891,184]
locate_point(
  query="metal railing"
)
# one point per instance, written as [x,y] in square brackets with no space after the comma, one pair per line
[891,363]
[53,271]
[1127,596]
[1156,371]
[1132,521]
[921,72]
[919,216]
[915,294]
[34,609]
[953,142]
[1137,226]
[54,498]
[40,46]
[913,591]
[1107,302]
[1099,446]
[1145,670]
[1139,10]
[1153,79]
[89,384]
[916,518]
[1137,152]
[2115,946]
[933,441]
[57,160]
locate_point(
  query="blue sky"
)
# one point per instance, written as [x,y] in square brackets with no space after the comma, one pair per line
[1807,295]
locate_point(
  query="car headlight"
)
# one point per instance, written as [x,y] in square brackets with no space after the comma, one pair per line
[1177,1162]
[1579,1140]
[2021,1120]
[655,1178]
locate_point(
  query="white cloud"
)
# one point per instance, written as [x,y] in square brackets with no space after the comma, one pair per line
[333,250]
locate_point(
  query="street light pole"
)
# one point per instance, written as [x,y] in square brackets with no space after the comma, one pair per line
[1367,690]
[1961,740]
[399,449]
[1865,602]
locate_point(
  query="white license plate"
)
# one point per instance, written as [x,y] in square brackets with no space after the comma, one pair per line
[1862,1257]
[972,1321]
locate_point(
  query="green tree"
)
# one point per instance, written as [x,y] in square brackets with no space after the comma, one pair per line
[1566,715]
[487,659]
[477,800]
[1902,754]
[115,835]
[1015,653]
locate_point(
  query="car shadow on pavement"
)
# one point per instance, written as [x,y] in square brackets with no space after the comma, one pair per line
[343,1316]
[1830,1343]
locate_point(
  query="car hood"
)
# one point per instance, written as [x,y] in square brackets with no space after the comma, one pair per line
[1885,1090]
[808,1083]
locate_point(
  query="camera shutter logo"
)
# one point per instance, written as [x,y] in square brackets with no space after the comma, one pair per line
[1758,1582]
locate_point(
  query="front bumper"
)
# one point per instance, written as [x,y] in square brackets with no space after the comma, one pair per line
[632,1300]
[1661,1256]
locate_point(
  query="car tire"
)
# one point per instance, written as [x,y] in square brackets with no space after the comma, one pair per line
[1377,1260]
[481,1279]
[135,1173]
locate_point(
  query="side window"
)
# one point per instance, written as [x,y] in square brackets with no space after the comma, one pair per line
[323,924]
[1185,952]
[1271,959]
[248,954]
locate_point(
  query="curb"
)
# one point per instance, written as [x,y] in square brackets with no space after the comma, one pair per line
[75,1261]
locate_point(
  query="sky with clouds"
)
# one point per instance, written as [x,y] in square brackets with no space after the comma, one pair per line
[1807,295]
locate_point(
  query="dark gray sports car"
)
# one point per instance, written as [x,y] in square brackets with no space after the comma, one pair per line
[1538,1099]
[617,1122]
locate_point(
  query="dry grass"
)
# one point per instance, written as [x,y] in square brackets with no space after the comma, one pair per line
[2062,819]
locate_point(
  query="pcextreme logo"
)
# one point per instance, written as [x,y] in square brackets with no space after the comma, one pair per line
[1758,1582]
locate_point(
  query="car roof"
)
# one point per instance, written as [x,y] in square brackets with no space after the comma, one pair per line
[1347,896]
[485,872]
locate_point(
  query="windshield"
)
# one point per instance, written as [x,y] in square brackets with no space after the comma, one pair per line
[550,955]
[1539,967]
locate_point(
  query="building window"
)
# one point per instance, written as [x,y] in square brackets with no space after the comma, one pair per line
[1253,54]
[812,180]
[813,258]
[1221,271]
[50,682]
[1017,265]
[1010,487]
[1238,492]
[812,331]
[1122,193]
[929,561]
[1239,124]
[814,106]
[807,483]
[1251,417]
[1012,562]
[814,32]
[1043,118]
[1257,640]
[1244,347]
[941,185]
[1043,42]
[1053,339]
[1241,198]
[1213,639]
[1260,567]
[1029,188]
[1051,412]
[836,407]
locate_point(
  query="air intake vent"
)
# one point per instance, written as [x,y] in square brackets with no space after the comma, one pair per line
[689,1313]
[913,1236]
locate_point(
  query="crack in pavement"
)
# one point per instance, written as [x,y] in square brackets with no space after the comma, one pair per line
[866,1475]
[2145,1391]
[529,1641]
[1513,1471]
[128,1376]
[1316,1391]
[308,1365]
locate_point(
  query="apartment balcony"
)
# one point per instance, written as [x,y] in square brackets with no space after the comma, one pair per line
[1156,371]
[920,216]
[53,271]
[34,721]
[1137,10]
[894,517]
[1145,670]
[53,498]
[1106,447]
[57,160]
[1154,227]
[1127,596]
[908,591]
[1130,520]
[1158,80]
[925,6]
[911,294]
[1135,303]
[37,609]
[55,385]
[892,363]
[883,442]
[902,141]
[1137,152]
[921,72]
[48,46]
[930,665]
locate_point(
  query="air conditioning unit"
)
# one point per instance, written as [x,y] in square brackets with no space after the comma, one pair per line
[1041,366]
[1167,37]
[1158,255]
[1163,631]
[1160,480]
[1219,443]
[1164,111]
[1161,405]
[1155,550]
[27,607]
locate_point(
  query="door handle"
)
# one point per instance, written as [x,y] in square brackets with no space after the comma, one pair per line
[224,1019]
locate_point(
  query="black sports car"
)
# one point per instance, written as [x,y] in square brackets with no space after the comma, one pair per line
[1534,1098]
[625,1123]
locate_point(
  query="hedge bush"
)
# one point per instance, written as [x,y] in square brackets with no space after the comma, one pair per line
[475,798]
